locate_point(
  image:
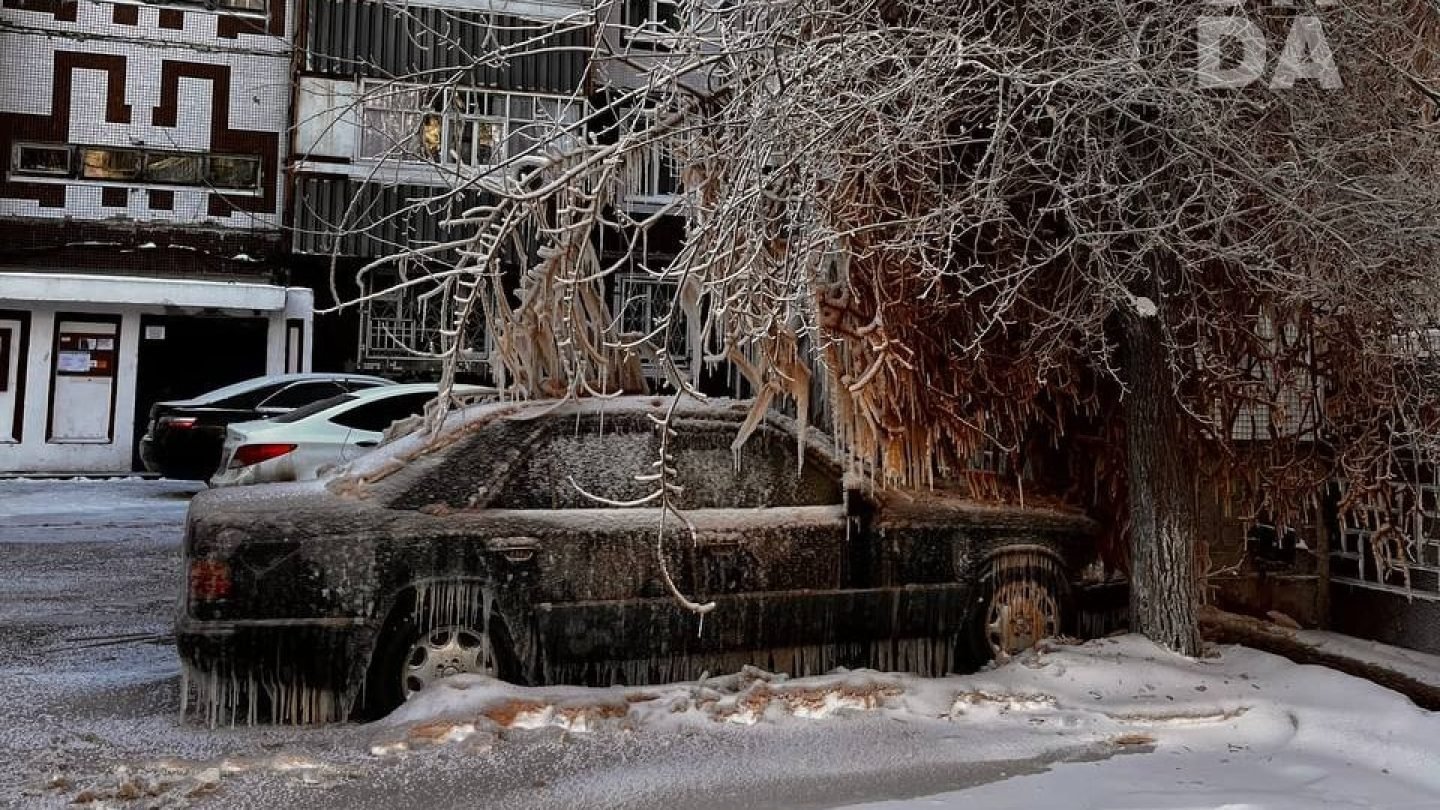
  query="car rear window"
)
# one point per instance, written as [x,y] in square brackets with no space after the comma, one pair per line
[241,396]
[605,458]
[544,464]
[303,393]
[313,408]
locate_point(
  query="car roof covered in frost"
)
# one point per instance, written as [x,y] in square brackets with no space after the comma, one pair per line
[398,453]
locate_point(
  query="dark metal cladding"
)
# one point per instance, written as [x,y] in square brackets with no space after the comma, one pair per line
[352,218]
[385,41]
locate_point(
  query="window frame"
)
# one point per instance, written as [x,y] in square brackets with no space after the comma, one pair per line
[317,407]
[231,7]
[268,402]
[638,287]
[225,7]
[76,168]
[393,403]
[650,33]
[424,101]
[17,152]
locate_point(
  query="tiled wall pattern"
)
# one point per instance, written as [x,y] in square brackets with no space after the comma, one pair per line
[251,64]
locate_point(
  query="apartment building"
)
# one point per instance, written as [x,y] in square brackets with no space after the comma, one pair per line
[141,206]
[397,109]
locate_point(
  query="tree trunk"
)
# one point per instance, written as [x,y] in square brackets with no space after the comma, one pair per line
[1164,587]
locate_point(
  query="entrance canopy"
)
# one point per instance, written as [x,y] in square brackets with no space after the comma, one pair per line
[131,291]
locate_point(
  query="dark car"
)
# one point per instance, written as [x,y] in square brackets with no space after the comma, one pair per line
[517,541]
[184,437]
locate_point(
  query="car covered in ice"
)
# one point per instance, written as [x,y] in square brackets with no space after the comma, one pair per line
[522,540]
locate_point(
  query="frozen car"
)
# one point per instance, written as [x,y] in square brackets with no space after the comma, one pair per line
[296,446]
[502,544]
[183,437]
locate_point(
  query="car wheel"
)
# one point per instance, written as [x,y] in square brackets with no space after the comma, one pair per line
[1023,602]
[444,651]
[414,653]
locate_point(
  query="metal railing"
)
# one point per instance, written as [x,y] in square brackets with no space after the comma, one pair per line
[404,330]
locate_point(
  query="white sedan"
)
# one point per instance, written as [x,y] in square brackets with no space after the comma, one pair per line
[299,445]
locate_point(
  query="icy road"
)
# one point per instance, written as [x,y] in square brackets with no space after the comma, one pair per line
[89,715]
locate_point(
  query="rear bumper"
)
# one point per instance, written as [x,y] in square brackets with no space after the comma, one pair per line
[192,456]
[270,471]
[272,663]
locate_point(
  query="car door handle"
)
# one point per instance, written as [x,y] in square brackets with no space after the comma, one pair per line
[366,443]
[513,549]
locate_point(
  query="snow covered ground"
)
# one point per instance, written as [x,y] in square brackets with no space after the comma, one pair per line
[88,714]
[1241,730]
[1422,667]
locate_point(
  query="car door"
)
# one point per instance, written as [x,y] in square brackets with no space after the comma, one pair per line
[744,537]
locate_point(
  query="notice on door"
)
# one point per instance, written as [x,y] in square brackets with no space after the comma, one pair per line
[82,406]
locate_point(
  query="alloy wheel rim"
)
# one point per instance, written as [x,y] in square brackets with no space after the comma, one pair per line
[1021,613]
[443,652]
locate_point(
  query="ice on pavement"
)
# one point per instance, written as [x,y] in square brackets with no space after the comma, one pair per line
[38,502]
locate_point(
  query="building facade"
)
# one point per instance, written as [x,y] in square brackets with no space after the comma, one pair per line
[397,109]
[142,197]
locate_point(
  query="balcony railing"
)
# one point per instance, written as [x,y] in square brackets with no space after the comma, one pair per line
[404,330]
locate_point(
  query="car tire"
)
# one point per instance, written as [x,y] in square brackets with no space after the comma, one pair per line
[414,650]
[1023,599]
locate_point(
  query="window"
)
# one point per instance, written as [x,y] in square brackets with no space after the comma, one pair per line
[376,416]
[313,408]
[232,172]
[648,22]
[39,159]
[302,393]
[183,170]
[131,165]
[401,124]
[644,301]
[361,385]
[244,6]
[456,126]
[650,171]
[241,396]
[98,163]
[765,475]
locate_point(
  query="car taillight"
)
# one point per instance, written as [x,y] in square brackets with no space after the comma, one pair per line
[209,580]
[248,454]
[178,422]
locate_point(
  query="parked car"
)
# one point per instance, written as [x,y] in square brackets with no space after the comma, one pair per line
[296,446]
[502,544]
[185,436]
